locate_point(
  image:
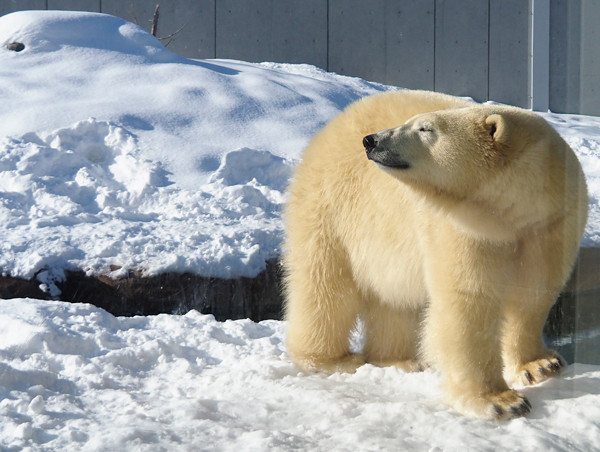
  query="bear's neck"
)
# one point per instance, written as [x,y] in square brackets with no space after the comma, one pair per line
[489,218]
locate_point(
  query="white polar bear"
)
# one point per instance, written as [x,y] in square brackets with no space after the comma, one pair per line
[450,239]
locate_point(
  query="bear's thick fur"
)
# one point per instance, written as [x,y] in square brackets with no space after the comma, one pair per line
[450,239]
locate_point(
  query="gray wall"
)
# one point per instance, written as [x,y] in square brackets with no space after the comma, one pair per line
[575,56]
[478,48]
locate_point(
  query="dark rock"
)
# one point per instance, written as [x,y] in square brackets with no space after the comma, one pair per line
[20,288]
[15,46]
[261,297]
[258,298]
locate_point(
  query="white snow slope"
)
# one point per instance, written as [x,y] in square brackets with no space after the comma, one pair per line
[118,152]
[114,151]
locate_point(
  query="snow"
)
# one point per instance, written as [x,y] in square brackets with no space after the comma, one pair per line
[116,152]
[137,158]
[73,377]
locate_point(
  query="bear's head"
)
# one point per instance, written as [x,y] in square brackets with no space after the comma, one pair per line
[504,164]
[457,149]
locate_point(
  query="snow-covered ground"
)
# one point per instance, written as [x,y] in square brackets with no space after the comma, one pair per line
[114,151]
[73,377]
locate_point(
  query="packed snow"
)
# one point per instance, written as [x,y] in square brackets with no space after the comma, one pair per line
[73,377]
[116,152]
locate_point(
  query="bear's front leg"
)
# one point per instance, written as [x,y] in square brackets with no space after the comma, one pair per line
[467,281]
[321,310]
[462,339]
[527,358]
[545,264]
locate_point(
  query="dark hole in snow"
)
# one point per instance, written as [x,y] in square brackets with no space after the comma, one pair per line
[15,46]
[209,163]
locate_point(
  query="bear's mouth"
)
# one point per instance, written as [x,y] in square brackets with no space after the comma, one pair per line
[387,159]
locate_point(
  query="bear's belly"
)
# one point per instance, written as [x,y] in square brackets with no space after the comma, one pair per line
[392,271]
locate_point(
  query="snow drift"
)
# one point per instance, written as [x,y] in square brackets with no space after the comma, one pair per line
[182,169]
[73,377]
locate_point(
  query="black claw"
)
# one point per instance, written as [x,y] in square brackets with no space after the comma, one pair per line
[499,411]
[554,366]
[542,370]
[561,361]
[529,376]
[522,409]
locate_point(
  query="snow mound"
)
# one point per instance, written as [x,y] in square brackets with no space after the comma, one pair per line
[70,373]
[582,134]
[245,165]
[183,168]
[49,31]
[78,65]
[96,202]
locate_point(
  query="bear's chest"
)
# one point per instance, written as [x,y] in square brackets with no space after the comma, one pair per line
[391,267]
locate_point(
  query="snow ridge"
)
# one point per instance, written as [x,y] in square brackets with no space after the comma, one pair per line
[96,202]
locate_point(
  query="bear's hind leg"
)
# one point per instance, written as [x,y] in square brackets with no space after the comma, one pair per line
[392,336]
[321,310]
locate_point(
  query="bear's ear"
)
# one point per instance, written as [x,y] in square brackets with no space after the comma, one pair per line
[496,126]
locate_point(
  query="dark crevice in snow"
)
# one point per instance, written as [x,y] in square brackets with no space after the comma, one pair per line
[258,298]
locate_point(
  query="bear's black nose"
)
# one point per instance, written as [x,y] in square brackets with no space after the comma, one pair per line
[369,142]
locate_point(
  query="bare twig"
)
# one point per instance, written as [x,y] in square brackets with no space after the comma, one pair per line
[154,28]
[155,20]
[172,35]
[132,13]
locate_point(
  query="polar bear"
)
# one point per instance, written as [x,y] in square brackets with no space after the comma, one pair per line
[450,238]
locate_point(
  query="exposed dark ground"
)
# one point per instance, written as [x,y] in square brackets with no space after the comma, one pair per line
[261,297]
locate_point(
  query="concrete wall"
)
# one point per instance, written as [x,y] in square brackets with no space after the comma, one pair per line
[479,48]
[575,56]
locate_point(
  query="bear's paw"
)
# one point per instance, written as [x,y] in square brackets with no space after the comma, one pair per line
[541,369]
[345,364]
[495,407]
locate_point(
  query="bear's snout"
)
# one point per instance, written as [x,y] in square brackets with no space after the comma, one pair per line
[379,151]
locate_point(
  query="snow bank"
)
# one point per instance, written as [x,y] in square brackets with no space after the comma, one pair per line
[181,110]
[71,373]
[185,165]
[182,169]
[93,200]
